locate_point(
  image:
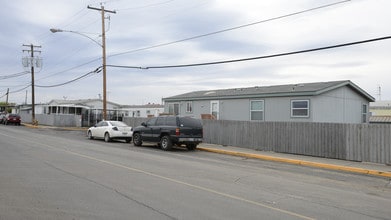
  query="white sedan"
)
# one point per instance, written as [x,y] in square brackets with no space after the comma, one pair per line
[109,130]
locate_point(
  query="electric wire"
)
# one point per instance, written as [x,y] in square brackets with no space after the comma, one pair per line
[72,68]
[258,57]
[198,36]
[229,29]
[97,70]
[145,6]
[187,39]
[8,76]
[19,90]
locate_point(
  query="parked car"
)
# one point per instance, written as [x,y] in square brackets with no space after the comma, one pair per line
[12,119]
[109,130]
[167,131]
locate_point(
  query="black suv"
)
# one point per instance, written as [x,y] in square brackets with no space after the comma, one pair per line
[168,131]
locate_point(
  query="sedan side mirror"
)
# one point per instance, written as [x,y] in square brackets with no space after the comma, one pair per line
[144,124]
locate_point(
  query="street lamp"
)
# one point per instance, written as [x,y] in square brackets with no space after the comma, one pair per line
[103,46]
[55,30]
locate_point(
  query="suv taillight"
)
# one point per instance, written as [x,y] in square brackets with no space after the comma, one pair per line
[177,132]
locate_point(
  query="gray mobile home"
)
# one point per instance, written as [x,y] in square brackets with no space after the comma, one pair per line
[334,102]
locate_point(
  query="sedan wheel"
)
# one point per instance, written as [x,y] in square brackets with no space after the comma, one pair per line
[90,135]
[107,137]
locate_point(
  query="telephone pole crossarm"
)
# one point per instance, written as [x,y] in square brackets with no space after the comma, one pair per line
[100,9]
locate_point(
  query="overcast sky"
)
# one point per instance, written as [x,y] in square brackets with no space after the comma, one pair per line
[138,26]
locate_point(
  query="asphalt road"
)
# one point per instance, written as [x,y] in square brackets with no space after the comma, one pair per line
[55,174]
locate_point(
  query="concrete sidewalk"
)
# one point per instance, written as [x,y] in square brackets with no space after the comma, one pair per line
[302,160]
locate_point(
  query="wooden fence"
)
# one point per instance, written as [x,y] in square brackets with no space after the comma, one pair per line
[357,142]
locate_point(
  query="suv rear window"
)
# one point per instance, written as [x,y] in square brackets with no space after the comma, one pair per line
[190,122]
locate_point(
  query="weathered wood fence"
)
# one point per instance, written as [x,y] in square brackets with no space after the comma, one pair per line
[357,142]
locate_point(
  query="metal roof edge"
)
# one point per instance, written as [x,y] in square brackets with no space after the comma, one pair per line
[334,85]
[285,94]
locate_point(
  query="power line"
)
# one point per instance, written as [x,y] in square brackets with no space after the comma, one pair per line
[146,6]
[97,70]
[72,68]
[19,90]
[258,57]
[230,29]
[191,38]
[13,75]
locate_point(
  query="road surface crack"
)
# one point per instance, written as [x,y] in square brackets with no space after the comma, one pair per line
[111,189]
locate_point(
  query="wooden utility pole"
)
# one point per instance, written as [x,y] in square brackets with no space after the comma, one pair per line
[103,10]
[8,92]
[31,51]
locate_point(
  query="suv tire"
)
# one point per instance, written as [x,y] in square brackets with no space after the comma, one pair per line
[165,143]
[191,147]
[137,139]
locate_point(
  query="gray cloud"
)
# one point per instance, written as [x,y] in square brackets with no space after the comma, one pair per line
[142,24]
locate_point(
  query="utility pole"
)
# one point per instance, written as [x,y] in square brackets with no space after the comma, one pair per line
[25,98]
[8,92]
[103,10]
[31,51]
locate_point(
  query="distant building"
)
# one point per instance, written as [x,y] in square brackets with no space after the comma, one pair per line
[90,110]
[335,102]
[147,110]
[380,112]
[5,107]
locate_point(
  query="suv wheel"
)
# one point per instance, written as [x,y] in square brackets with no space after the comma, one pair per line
[165,143]
[191,146]
[137,139]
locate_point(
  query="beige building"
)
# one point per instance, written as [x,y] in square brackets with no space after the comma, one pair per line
[380,112]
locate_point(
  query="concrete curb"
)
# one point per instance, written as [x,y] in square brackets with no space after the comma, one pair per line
[300,162]
[30,125]
[52,127]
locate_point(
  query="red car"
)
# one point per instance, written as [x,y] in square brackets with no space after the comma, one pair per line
[12,119]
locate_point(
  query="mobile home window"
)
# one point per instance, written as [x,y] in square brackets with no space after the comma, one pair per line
[300,108]
[189,106]
[173,108]
[257,110]
[364,113]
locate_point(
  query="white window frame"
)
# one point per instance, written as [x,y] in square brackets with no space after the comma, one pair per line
[263,110]
[189,107]
[308,108]
[216,111]
[364,114]
[171,106]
